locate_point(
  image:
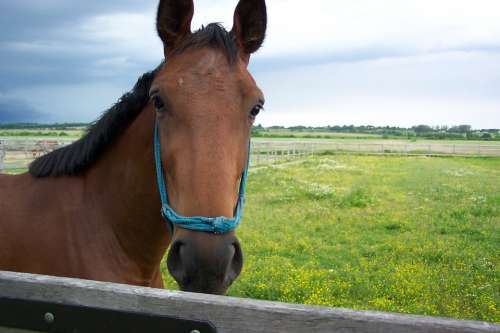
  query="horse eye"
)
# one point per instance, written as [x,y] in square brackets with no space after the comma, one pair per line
[157,102]
[256,110]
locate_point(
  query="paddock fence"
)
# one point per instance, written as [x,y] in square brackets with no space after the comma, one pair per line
[36,303]
[17,154]
[272,151]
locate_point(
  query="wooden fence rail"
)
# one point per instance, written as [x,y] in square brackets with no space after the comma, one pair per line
[227,314]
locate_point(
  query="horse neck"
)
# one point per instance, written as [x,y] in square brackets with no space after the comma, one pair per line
[122,191]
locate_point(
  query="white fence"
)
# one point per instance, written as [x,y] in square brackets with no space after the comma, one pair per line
[222,314]
[17,154]
[2,156]
[272,151]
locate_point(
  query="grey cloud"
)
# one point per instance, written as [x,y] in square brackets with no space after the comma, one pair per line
[39,42]
[40,48]
[18,111]
[31,19]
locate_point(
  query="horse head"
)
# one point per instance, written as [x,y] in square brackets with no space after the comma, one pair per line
[205,102]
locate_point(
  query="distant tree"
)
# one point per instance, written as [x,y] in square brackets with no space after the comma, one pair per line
[258,127]
[297,128]
[419,129]
[486,136]
[460,129]
[464,128]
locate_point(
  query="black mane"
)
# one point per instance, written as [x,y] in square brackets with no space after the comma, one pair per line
[80,155]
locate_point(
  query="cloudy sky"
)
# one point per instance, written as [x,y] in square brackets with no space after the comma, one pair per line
[391,62]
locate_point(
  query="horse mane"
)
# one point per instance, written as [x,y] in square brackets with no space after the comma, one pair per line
[77,157]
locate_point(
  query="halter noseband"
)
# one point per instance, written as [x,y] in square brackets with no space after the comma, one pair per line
[217,225]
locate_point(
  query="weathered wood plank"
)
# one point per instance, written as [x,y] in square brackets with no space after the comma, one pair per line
[229,314]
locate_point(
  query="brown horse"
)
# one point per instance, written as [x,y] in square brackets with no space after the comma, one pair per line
[92,209]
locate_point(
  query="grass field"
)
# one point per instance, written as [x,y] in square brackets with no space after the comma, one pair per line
[376,140]
[41,134]
[406,234]
[276,134]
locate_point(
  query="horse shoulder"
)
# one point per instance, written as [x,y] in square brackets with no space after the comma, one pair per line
[34,221]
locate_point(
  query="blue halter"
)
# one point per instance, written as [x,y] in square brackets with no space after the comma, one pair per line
[217,225]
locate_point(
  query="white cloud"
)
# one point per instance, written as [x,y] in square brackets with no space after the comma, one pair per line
[401,25]
[131,34]
[380,111]
[448,88]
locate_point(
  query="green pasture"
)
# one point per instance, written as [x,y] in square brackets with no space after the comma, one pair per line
[288,134]
[41,134]
[406,234]
[374,139]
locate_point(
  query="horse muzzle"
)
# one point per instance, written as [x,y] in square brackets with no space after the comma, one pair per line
[205,263]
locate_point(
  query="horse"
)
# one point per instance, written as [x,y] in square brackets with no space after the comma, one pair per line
[92,209]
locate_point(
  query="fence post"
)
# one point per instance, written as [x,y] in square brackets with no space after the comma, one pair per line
[429,150]
[2,156]
[454,149]
[479,149]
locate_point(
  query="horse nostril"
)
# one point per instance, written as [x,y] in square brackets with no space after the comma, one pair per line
[174,262]
[236,262]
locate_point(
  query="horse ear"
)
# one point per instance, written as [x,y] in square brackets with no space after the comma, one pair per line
[250,23]
[173,21]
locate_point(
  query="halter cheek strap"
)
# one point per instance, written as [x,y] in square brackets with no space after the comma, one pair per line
[217,225]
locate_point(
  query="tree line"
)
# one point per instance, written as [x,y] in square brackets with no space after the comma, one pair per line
[32,126]
[459,132]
